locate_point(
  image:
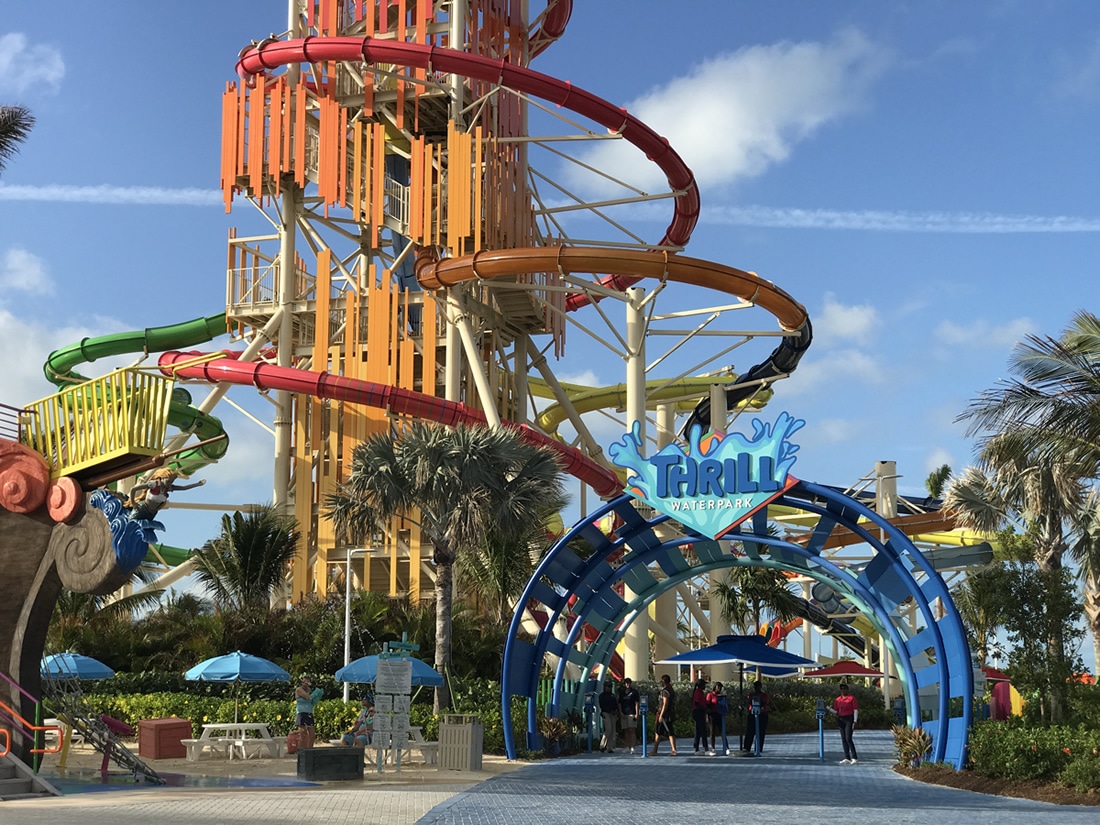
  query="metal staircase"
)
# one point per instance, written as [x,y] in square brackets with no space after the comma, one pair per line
[69,703]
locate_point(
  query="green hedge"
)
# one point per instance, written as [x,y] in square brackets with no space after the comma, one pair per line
[1014,751]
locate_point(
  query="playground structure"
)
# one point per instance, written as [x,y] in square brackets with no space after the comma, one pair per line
[424,250]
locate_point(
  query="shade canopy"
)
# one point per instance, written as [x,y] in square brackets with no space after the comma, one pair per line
[237,667]
[365,670]
[747,649]
[995,674]
[844,668]
[75,666]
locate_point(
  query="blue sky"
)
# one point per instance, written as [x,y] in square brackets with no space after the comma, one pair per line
[921,176]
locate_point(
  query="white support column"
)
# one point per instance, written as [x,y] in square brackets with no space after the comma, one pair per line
[636,638]
[719,625]
[519,378]
[284,400]
[452,389]
[665,634]
[538,361]
[477,370]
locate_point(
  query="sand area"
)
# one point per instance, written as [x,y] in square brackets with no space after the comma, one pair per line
[84,761]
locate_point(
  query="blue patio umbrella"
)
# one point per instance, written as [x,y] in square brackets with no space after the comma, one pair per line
[75,666]
[747,649]
[365,670]
[238,667]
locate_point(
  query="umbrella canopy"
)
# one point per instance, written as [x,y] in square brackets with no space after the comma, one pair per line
[237,667]
[844,668]
[995,674]
[75,666]
[747,649]
[365,670]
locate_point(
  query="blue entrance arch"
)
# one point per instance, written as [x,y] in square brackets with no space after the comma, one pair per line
[897,590]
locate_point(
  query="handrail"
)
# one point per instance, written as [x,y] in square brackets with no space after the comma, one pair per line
[26,726]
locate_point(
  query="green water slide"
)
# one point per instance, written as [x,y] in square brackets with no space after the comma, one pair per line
[60,370]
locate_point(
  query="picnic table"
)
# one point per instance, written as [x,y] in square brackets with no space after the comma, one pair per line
[230,740]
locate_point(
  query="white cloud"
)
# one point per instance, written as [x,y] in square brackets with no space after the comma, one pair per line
[104,194]
[938,457]
[24,66]
[25,272]
[983,334]
[585,378]
[27,344]
[738,114]
[837,369]
[973,223]
[836,322]
[1081,79]
[835,431]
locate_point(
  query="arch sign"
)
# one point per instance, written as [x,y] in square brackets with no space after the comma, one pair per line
[686,512]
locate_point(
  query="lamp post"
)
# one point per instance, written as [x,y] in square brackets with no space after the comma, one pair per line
[347,614]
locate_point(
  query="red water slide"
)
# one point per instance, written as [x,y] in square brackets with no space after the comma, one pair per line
[264,376]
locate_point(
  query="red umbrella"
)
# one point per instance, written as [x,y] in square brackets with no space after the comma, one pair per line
[992,673]
[844,668]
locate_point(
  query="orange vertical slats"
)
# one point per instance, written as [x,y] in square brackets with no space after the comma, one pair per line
[356,193]
[416,188]
[299,98]
[303,494]
[256,139]
[288,129]
[391,325]
[479,187]
[342,157]
[378,181]
[275,133]
[428,344]
[323,311]
[242,92]
[229,144]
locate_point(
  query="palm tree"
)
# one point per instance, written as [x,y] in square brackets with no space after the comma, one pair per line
[747,592]
[247,562]
[1052,410]
[980,600]
[937,481]
[15,126]
[460,485]
[1054,405]
[97,625]
[498,569]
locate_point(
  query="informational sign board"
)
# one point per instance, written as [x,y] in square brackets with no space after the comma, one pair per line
[394,677]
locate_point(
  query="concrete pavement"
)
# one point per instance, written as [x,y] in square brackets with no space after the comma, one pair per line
[787,784]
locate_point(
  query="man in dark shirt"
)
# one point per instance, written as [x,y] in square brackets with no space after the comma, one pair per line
[628,709]
[609,711]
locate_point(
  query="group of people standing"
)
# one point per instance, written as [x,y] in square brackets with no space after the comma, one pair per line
[708,710]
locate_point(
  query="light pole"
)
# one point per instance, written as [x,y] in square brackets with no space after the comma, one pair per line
[347,615]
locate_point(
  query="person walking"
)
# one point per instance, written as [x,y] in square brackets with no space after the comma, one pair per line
[666,705]
[760,718]
[846,708]
[628,713]
[699,714]
[717,709]
[609,711]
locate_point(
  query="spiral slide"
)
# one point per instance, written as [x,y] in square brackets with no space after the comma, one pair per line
[269,54]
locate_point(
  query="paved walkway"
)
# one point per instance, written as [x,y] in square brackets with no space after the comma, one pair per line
[787,784]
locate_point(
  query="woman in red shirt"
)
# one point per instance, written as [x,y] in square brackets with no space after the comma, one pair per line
[846,708]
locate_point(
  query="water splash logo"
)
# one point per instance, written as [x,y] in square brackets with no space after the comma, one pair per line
[719,481]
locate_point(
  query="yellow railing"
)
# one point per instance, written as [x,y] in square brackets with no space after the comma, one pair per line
[124,413]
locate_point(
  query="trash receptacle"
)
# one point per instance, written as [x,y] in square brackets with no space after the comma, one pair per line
[460,742]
